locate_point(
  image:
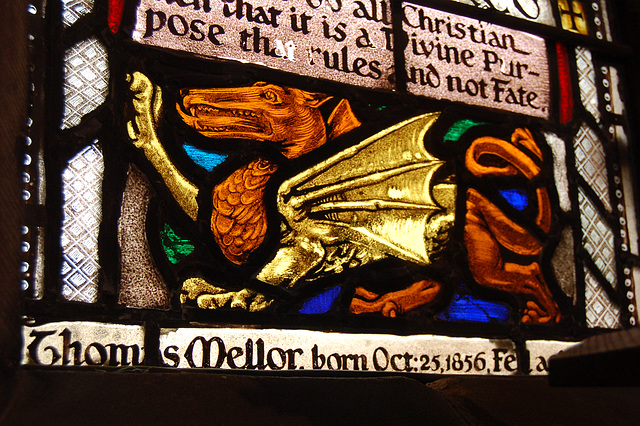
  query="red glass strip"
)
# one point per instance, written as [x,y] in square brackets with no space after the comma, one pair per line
[115,14]
[566,91]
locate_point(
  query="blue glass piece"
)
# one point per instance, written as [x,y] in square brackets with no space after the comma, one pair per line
[321,303]
[516,197]
[205,159]
[468,308]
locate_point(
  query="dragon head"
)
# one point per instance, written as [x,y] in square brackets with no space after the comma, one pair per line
[263,112]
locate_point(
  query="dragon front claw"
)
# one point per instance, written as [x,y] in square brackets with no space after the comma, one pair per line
[146,100]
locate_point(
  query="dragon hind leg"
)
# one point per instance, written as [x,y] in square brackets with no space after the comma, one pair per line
[487,229]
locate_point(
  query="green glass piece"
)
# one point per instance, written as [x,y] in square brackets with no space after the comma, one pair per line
[458,128]
[380,108]
[175,247]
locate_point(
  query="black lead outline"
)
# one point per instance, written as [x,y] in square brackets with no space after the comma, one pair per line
[89,25]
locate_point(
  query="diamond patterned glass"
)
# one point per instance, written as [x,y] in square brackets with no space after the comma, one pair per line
[587,81]
[86,74]
[72,10]
[82,189]
[597,238]
[591,163]
[600,312]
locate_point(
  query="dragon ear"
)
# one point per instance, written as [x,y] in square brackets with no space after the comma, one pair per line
[314,100]
[342,120]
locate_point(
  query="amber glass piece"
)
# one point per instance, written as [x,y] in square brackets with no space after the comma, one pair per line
[239,217]
[397,302]
[572,16]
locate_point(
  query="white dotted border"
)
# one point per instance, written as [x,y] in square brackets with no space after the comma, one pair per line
[619,200]
[29,173]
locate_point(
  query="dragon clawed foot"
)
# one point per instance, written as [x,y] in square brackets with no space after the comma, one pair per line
[397,302]
[208,296]
[535,314]
[147,105]
[540,307]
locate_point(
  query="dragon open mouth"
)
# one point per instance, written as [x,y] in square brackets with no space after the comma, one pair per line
[215,122]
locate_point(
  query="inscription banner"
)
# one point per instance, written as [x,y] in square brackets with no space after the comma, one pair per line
[91,344]
[541,350]
[301,350]
[460,59]
[83,344]
[345,41]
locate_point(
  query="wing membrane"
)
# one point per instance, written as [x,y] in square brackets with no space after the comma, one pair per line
[372,200]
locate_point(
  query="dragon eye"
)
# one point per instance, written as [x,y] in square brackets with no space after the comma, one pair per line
[271,96]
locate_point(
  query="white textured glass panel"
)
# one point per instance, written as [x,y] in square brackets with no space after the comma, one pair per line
[587,81]
[532,10]
[72,10]
[630,286]
[563,264]
[597,238]
[82,207]
[599,310]
[559,150]
[38,291]
[616,101]
[591,163]
[141,285]
[605,18]
[86,80]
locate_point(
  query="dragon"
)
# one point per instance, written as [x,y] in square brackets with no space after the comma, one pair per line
[374,200]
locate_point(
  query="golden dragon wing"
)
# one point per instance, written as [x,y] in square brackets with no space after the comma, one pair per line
[372,200]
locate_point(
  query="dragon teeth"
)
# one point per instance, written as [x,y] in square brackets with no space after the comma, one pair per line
[195,109]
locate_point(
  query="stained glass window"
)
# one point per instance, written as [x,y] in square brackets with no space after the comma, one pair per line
[344,185]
